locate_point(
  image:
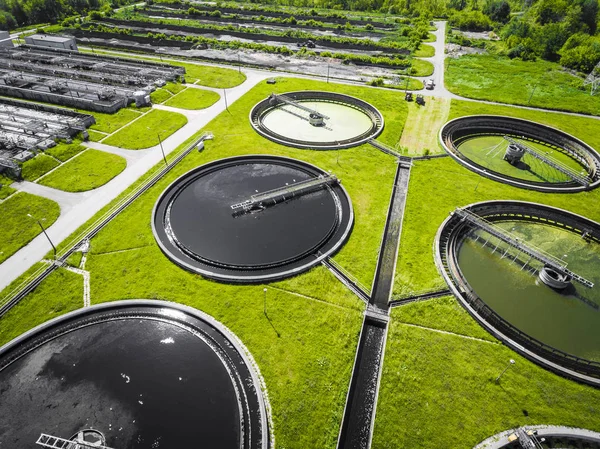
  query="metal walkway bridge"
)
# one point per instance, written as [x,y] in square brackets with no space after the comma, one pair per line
[584,180]
[60,443]
[274,196]
[533,252]
[390,150]
[294,103]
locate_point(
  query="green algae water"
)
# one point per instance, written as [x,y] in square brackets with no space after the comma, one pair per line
[488,151]
[568,320]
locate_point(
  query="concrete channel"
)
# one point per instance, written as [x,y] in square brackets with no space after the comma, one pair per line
[359,415]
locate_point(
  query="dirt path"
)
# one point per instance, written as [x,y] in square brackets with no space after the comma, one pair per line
[422,124]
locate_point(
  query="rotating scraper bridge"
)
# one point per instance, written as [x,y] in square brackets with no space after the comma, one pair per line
[459,130]
[317,118]
[484,216]
[274,196]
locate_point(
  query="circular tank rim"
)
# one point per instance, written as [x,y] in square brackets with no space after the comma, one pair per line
[500,440]
[258,381]
[496,176]
[519,348]
[281,274]
[318,147]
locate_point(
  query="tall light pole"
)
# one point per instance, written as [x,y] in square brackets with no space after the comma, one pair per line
[162,149]
[265,301]
[45,233]
[510,363]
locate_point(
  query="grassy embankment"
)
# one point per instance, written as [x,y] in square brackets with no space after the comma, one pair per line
[421,67]
[305,349]
[5,189]
[539,84]
[87,171]
[66,290]
[194,99]
[425,51]
[16,228]
[143,133]
[38,166]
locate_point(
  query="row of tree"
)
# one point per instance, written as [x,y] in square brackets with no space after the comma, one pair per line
[19,13]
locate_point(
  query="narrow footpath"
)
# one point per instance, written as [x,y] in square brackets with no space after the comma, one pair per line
[359,415]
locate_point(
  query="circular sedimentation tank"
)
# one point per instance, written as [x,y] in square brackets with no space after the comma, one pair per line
[252,218]
[543,437]
[316,120]
[522,153]
[536,309]
[140,373]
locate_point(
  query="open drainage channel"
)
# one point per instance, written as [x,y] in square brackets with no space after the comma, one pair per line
[357,423]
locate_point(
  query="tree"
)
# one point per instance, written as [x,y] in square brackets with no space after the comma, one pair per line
[498,10]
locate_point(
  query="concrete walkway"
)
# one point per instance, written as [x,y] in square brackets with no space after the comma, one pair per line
[76,209]
[66,200]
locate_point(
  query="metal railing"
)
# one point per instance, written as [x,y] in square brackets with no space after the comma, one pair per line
[527,248]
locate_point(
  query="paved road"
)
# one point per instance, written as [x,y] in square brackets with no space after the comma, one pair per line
[438,61]
[77,208]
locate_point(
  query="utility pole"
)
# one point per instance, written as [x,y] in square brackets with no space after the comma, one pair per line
[530,96]
[162,149]
[265,301]
[45,233]
[225,97]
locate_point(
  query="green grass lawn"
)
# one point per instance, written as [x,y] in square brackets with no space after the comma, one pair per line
[66,289]
[159,96]
[96,136]
[174,88]
[192,98]
[16,228]
[425,51]
[89,170]
[493,78]
[413,84]
[65,151]
[38,166]
[5,190]
[109,123]
[211,76]
[144,132]
[443,386]
[421,67]
[439,186]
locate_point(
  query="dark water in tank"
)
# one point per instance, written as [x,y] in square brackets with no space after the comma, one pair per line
[203,222]
[567,320]
[143,383]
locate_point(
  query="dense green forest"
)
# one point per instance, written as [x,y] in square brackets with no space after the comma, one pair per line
[18,13]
